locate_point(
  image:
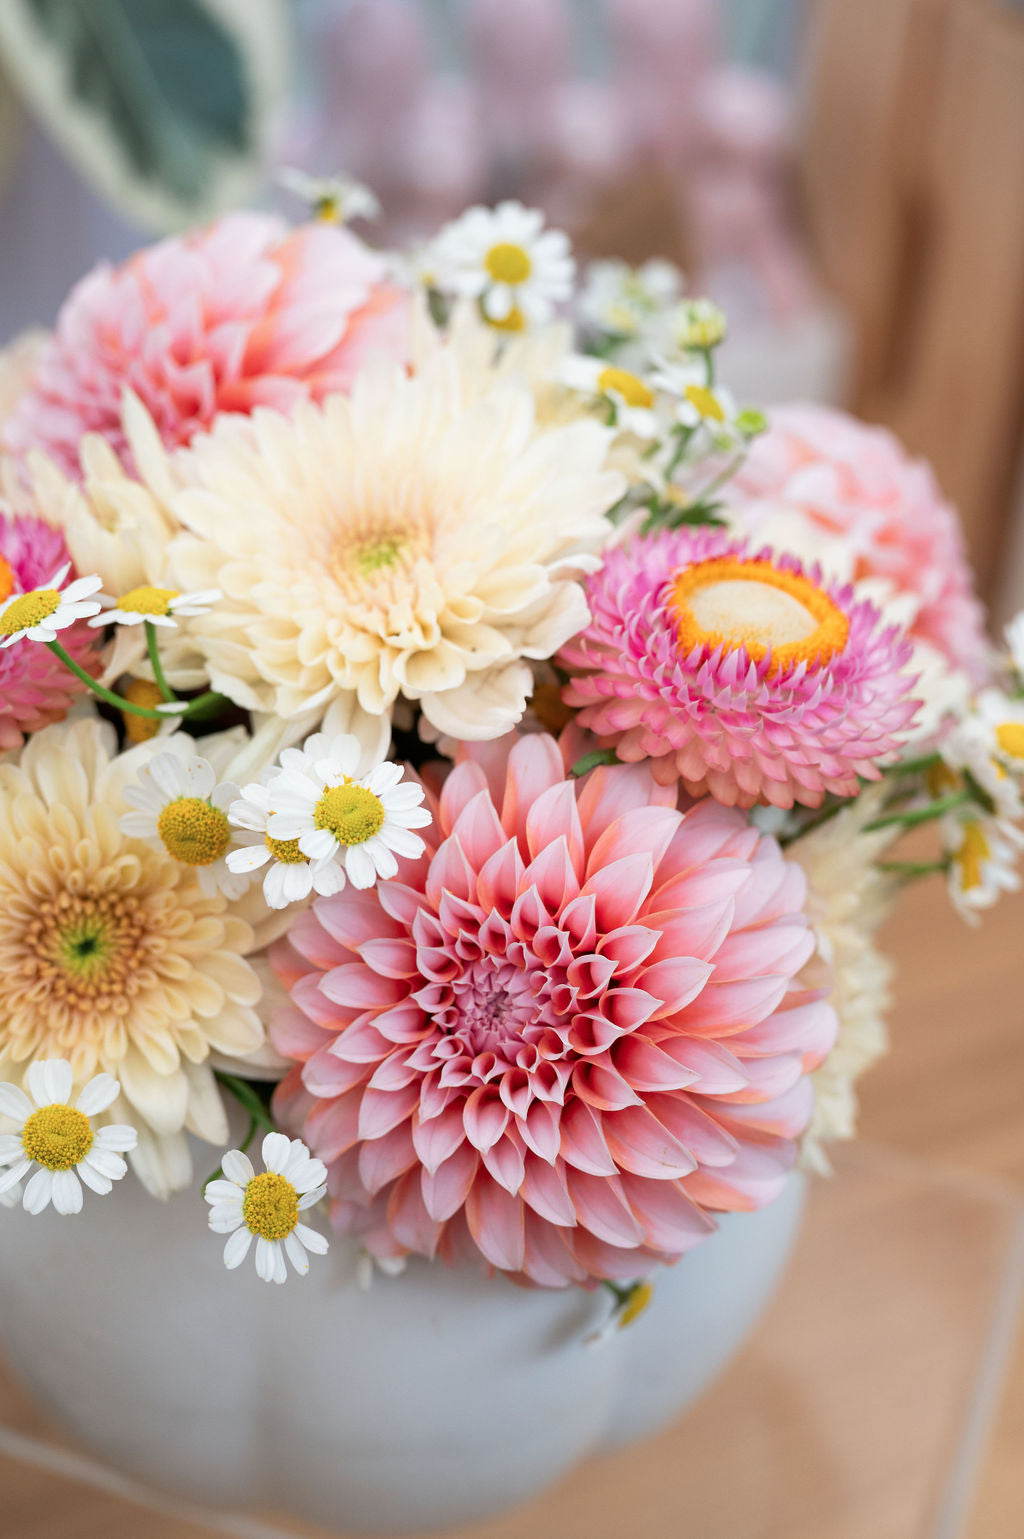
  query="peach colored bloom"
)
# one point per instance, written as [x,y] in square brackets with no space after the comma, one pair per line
[245,313]
[567,1037]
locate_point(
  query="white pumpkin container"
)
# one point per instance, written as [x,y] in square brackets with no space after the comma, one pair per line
[431,1400]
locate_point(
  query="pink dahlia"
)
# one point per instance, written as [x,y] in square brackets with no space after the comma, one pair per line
[858,482]
[736,674]
[35,689]
[246,313]
[569,1036]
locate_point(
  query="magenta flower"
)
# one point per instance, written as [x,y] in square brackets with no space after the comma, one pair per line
[567,1036]
[246,313]
[736,674]
[858,482]
[36,689]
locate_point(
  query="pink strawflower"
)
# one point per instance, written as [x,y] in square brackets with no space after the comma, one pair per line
[564,1038]
[245,313]
[858,482]
[736,674]
[36,689]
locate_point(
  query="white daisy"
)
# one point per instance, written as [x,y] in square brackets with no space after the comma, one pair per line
[266,1207]
[60,1139]
[334,199]
[696,325]
[39,614]
[505,258]
[321,801]
[629,394]
[181,807]
[292,876]
[988,742]
[698,405]
[160,606]
[627,301]
[983,856]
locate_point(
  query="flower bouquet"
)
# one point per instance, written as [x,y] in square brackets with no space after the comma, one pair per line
[454,762]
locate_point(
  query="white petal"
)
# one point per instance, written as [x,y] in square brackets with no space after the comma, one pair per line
[311,1198]
[237,1248]
[237,1167]
[101,1092]
[11,1148]
[168,773]
[10,1178]
[296,1255]
[38,1192]
[403,842]
[265,1258]
[94,1178]
[14,1103]
[248,858]
[312,1239]
[67,1192]
[328,878]
[360,867]
[107,1163]
[222,1191]
[118,1136]
[317,843]
[50,1081]
[296,882]
[385,777]
[276,1149]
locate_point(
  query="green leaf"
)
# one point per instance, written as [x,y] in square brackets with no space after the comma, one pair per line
[592,760]
[163,104]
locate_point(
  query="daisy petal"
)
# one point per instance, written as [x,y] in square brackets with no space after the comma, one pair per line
[237,1248]
[101,1092]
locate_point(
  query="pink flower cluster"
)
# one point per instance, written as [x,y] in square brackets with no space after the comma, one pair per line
[858,482]
[35,689]
[563,1039]
[246,313]
[717,717]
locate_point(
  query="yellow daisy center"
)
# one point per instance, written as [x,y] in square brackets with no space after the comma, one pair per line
[514,321]
[193,831]
[1010,737]
[350,812]
[6,580]
[29,610]
[57,1136]
[270,1206]
[139,729]
[752,604]
[508,263]
[148,601]
[286,850]
[639,1298]
[631,388]
[973,852]
[704,401]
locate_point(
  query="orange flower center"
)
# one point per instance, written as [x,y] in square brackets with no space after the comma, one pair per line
[6,580]
[728,602]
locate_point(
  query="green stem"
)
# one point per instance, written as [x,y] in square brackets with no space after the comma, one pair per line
[592,760]
[913,766]
[153,648]
[913,868]
[723,476]
[921,815]
[709,368]
[247,1098]
[105,694]
[243,1146]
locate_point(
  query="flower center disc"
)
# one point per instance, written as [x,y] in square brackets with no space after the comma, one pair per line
[270,1206]
[1010,737]
[751,604]
[508,263]
[148,601]
[29,610]
[350,812]
[632,390]
[286,850]
[193,831]
[971,856]
[57,1136]
[703,401]
[6,580]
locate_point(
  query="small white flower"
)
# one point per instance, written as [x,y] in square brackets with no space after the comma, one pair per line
[505,258]
[334,199]
[59,1138]
[39,614]
[626,301]
[320,800]
[696,325]
[983,856]
[181,807]
[698,405]
[631,396]
[292,876]
[160,606]
[989,744]
[266,1207]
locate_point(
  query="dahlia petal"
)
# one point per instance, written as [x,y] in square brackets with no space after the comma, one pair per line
[647,1066]
[553,875]
[446,1189]
[358,987]
[638,1142]
[640,831]
[554,815]
[505,1163]
[582,1141]
[544,1188]
[548,1261]
[496,1222]
[333,1127]
[383,1159]
[619,890]
[672,1221]
[485,1117]
[701,1134]
[437,1139]
[540,1130]
[383,1110]
[602,1208]
[534,765]
[410,1223]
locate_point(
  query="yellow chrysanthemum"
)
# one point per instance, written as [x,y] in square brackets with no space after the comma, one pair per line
[417,538]
[111,954]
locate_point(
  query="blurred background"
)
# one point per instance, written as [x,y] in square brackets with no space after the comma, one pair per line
[846,177]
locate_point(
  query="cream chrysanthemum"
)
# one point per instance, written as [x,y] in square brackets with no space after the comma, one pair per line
[848,897]
[111,954]
[400,541]
[267,1207]
[59,1138]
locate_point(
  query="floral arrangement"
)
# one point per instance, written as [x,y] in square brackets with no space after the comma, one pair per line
[444,734]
